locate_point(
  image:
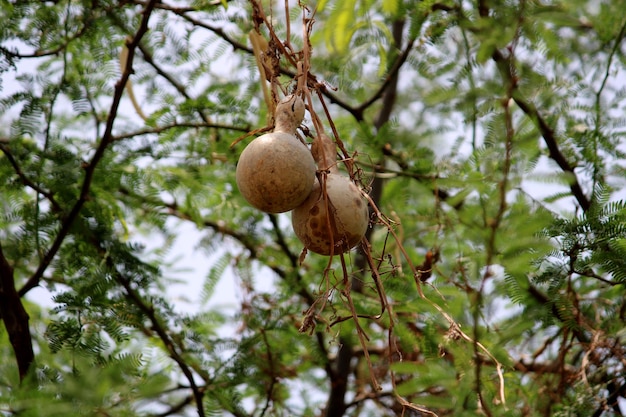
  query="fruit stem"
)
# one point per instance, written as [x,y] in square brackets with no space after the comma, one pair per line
[289,114]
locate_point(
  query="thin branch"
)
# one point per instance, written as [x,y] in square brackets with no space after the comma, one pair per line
[147,56]
[542,298]
[216,30]
[553,367]
[358,115]
[26,181]
[598,101]
[356,111]
[180,9]
[360,398]
[172,209]
[176,408]
[161,129]
[49,52]
[546,131]
[591,274]
[280,240]
[106,140]
[149,311]
[386,172]
[244,239]
[506,68]
[555,153]
[607,72]
[389,79]
[272,375]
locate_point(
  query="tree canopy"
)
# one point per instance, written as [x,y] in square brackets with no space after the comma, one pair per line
[486,136]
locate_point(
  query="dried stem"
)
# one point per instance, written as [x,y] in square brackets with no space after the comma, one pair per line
[346,292]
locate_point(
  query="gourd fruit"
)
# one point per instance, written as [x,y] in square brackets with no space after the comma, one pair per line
[276,171]
[336,223]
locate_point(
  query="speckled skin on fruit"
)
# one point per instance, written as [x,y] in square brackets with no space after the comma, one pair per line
[339,232]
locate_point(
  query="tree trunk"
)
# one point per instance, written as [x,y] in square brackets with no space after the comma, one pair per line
[15,318]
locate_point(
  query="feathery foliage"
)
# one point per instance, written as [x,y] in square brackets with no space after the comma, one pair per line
[135,279]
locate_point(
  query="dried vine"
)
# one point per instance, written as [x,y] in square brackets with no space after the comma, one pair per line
[306,84]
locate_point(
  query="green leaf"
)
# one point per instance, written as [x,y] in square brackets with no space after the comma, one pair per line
[215,274]
[391,7]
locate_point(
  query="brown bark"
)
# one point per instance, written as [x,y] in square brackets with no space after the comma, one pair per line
[15,318]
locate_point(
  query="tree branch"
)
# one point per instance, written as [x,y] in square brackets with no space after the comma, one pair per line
[160,129]
[147,56]
[176,409]
[26,181]
[505,68]
[555,153]
[542,298]
[280,240]
[172,209]
[386,87]
[54,51]
[218,31]
[356,111]
[106,140]
[165,338]
[15,318]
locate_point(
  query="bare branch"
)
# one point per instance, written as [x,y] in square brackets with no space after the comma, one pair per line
[161,129]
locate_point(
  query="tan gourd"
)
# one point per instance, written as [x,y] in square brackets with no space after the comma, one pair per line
[347,223]
[276,171]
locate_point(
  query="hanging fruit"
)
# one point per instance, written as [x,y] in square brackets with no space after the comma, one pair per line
[276,171]
[334,218]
